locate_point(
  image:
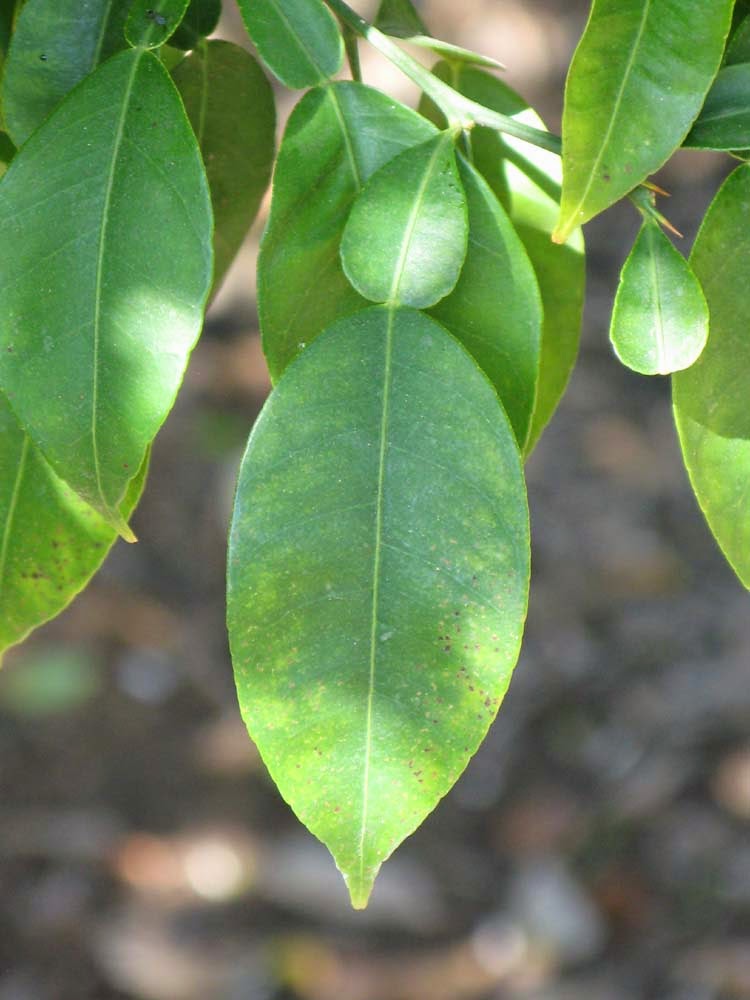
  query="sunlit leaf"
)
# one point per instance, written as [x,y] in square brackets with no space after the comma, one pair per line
[660,318]
[636,84]
[336,138]
[405,239]
[230,105]
[378,575]
[106,263]
[298,40]
[711,398]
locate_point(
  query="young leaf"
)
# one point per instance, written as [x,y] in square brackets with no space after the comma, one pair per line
[378,578]
[526,180]
[636,84]
[151,22]
[56,44]
[711,398]
[400,19]
[405,239]
[495,309]
[199,21]
[106,264]
[298,40]
[660,318]
[51,543]
[230,105]
[724,121]
[337,137]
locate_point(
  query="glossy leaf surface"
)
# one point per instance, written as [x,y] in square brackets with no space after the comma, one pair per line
[711,398]
[399,18]
[378,575]
[527,180]
[55,45]
[405,239]
[660,318]
[105,264]
[230,105]
[51,543]
[724,121]
[199,21]
[495,309]
[636,84]
[336,138]
[150,23]
[298,40]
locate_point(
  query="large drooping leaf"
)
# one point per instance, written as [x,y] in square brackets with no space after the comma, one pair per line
[51,543]
[378,575]
[55,45]
[660,317]
[636,84]
[105,265]
[527,179]
[495,309]
[724,121]
[298,40]
[151,22]
[337,137]
[405,239]
[200,20]
[711,398]
[230,105]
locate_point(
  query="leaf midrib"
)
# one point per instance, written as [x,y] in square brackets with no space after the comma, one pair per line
[99,275]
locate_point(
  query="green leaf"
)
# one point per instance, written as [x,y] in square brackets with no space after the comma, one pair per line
[400,19]
[738,49]
[724,121]
[199,21]
[526,180]
[455,54]
[378,579]
[298,40]
[636,84]
[55,45]
[51,543]
[337,137]
[7,152]
[711,398]
[495,309]
[660,318]
[230,105]
[151,22]
[405,239]
[106,264]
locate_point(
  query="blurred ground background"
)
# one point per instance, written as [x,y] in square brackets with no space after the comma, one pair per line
[597,848]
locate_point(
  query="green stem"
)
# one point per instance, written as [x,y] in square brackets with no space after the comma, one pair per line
[461,112]
[352,53]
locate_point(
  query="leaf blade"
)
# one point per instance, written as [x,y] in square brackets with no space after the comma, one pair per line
[710,398]
[724,121]
[366,464]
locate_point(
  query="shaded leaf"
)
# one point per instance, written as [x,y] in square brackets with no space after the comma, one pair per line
[105,264]
[299,40]
[230,105]
[660,318]
[405,239]
[55,45]
[400,19]
[51,542]
[151,22]
[738,49]
[336,138]
[724,121]
[711,398]
[199,21]
[495,309]
[636,84]
[7,152]
[378,579]
[526,180]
